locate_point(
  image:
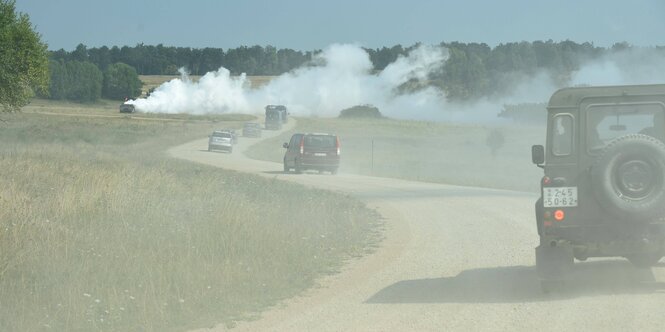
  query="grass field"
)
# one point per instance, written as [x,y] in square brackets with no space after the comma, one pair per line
[100,230]
[426,151]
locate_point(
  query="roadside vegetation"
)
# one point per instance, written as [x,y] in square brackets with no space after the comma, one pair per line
[23,59]
[100,230]
[427,151]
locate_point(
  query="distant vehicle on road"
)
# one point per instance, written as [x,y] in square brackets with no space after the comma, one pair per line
[234,136]
[251,129]
[274,119]
[280,108]
[127,108]
[220,140]
[315,151]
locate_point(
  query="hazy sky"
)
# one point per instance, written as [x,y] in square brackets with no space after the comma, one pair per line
[310,24]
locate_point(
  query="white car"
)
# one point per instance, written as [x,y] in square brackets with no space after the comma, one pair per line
[220,140]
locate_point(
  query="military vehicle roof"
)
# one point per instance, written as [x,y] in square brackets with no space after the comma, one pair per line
[571,97]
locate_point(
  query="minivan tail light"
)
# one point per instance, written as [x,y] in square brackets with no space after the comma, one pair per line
[302,145]
[337,144]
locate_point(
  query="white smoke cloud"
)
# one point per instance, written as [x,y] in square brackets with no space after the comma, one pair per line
[342,79]
[631,66]
[342,76]
[215,92]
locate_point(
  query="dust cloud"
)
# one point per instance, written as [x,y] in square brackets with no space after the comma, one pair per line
[631,66]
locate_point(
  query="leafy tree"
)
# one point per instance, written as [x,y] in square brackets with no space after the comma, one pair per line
[75,80]
[464,74]
[59,80]
[121,81]
[100,56]
[381,58]
[23,59]
[80,53]
[85,81]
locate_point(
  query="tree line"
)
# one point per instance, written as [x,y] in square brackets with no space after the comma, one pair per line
[472,70]
[166,60]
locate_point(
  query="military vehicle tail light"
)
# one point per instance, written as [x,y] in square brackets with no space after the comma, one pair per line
[559,215]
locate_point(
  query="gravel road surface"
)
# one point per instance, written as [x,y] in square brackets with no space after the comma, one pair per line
[453,258]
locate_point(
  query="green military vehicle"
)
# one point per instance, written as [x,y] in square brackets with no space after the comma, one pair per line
[127,108]
[603,191]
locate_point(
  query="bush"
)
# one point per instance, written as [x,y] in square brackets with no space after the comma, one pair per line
[361,111]
[121,81]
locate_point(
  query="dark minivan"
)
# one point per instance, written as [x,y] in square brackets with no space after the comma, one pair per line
[317,151]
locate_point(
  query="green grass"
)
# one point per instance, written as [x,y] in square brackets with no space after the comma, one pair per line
[100,230]
[426,151]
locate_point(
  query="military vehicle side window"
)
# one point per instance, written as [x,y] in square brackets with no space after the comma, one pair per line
[608,122]
[562,135]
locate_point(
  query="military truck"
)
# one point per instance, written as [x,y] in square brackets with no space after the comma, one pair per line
[279,108]
[603,189]
[274,119]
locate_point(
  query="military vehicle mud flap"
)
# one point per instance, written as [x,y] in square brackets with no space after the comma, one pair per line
[553,264]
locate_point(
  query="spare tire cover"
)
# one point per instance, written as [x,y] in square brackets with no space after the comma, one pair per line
[628,178]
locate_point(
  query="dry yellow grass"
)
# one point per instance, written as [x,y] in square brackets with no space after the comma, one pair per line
[100,231]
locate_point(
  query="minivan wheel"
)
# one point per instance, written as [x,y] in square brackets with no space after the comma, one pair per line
[298,168]
[628,177]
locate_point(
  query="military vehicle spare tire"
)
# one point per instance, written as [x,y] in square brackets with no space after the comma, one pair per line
[629,178]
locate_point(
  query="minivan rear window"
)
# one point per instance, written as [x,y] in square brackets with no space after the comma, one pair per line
[320,141]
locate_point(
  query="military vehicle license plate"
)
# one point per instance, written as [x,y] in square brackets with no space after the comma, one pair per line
[560,197]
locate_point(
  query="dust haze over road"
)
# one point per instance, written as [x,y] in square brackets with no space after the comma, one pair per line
[453,258]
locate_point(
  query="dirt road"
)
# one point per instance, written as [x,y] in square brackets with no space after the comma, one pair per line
[454,258]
